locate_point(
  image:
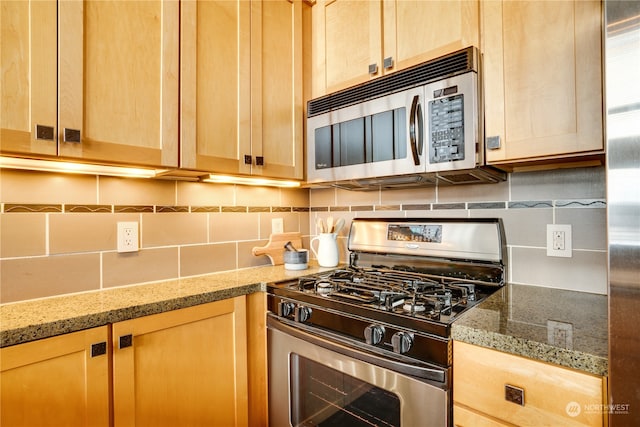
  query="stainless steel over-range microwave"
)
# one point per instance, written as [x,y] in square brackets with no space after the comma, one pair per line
[413,127]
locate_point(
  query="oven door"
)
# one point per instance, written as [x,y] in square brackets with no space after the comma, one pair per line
[379,137]
[314,381]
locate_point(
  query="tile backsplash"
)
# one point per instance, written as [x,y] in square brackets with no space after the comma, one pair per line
[58,232]
[527,202]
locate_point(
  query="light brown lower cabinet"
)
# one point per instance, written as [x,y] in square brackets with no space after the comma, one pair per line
[57,381]
[486,382]
[183,367]
[202,365]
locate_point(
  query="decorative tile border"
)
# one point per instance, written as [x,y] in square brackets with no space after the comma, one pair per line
[448,206]
[417,207]
[234,209]
[361,208]
[133,209]
[172,209]
[531,204]
[88,208]
[387,208]
[487,205]
[205,209]
[31,208]
[585,203]
[78,208]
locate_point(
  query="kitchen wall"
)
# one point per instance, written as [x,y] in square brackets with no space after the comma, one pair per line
[58,232]
[527,202]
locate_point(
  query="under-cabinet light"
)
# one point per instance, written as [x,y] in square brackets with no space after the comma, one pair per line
[79,168]
[226,179]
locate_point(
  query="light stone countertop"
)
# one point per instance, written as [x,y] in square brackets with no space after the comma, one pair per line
[26,321]
[513,320]
[520,320]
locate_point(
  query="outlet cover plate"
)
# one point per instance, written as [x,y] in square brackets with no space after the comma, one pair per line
[128,236]
[559,240]
[277,226]
[560,334]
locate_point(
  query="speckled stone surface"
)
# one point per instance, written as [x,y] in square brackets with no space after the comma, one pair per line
[518,319]
[31,320]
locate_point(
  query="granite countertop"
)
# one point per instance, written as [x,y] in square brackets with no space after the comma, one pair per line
[566,328]
[21,322]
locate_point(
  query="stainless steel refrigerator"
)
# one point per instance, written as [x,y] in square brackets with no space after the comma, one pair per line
[622,111]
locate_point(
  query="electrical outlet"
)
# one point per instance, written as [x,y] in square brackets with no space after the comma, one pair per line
[277,226]
[128,236]
[559,240]
[560,334]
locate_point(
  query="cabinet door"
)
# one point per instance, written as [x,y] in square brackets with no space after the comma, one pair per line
[28,83]
[118,72]
[276,89]
[543,82]
[390,35]
[183,367]
[215,80]
[347,39]
[416,31]
[56,381]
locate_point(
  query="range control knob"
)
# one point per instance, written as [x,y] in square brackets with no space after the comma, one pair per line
[401,342]
[285,309]
[302,313]
[373,334]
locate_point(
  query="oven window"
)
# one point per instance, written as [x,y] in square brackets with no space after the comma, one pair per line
[324,397]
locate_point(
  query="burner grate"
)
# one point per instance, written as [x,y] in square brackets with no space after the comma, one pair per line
[398,291]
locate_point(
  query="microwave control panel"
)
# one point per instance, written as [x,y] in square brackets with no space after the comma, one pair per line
[446,125]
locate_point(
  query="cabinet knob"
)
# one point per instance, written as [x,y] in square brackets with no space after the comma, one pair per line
[373,68]
[493,143]
[125,341]
[388,63]
[98,349]
[514,394]
[248,160]
[72,135]
[259,161]
[45,132]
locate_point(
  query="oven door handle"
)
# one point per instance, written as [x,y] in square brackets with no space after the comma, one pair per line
[303,332]
[415,135]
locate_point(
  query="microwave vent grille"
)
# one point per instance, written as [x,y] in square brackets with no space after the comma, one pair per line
[446,66]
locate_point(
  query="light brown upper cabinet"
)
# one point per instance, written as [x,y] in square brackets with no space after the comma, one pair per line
[28,83]
[241,87]
[354,41]
[117,80]
[542,79]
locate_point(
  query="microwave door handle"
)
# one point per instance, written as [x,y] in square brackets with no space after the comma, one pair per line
[415,135]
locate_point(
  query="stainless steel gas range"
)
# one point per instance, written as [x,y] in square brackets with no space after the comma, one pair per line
[369,344]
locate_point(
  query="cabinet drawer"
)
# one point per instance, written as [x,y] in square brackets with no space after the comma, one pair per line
[551,395]
[464,417]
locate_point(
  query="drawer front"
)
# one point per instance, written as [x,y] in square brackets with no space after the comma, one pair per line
[465,417]
[483,380]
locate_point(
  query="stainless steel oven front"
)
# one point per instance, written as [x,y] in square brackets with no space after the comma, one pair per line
[316,379]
